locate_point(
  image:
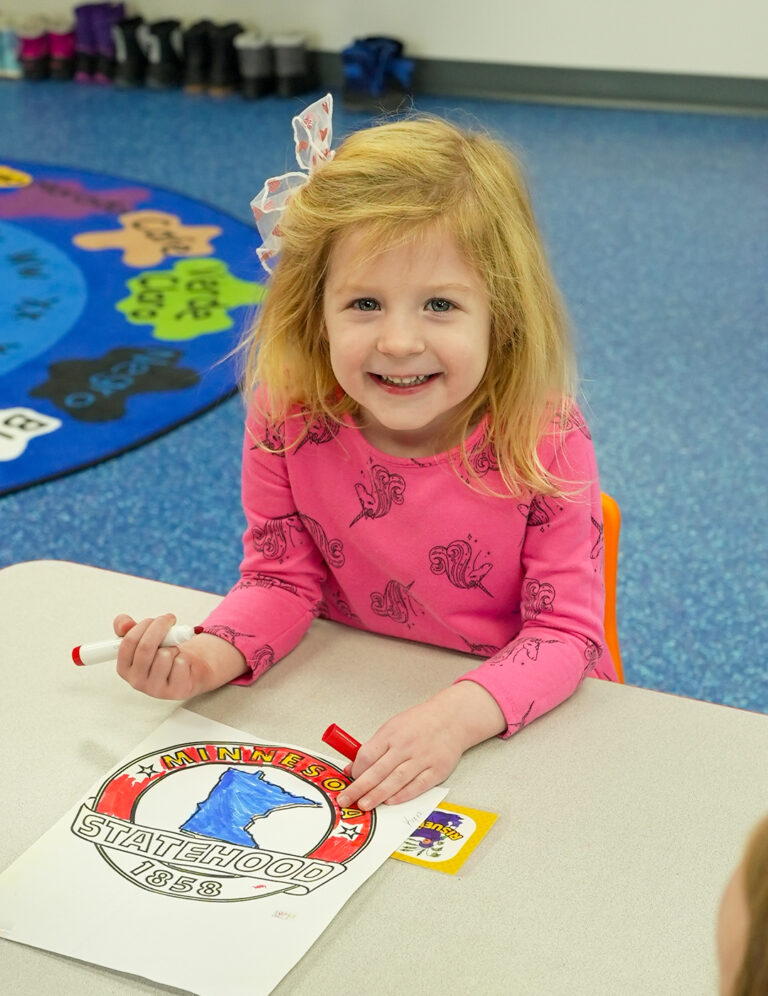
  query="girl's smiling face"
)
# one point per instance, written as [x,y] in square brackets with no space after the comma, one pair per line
[409,333]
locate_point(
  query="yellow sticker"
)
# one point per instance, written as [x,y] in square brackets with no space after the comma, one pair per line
[446,838]
[10,177]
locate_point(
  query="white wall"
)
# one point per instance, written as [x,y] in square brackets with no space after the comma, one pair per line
[708,37]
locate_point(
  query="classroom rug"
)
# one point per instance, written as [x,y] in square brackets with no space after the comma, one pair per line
[120,304]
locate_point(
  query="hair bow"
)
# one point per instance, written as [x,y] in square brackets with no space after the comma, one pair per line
[312,134]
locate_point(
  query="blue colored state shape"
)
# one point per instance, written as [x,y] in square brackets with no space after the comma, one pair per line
[43,295]
[238,798]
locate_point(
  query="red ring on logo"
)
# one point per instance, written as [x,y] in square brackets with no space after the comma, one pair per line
[119,795]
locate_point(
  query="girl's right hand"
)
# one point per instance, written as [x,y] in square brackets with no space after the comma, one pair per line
[199,665]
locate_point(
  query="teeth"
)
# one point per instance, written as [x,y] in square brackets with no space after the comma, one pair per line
[405,381]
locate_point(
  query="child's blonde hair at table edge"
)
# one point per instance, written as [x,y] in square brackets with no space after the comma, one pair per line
[743,922]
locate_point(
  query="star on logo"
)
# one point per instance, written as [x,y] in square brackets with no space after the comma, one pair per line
[146,771]
[345,830]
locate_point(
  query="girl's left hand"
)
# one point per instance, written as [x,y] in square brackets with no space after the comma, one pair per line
[417,749]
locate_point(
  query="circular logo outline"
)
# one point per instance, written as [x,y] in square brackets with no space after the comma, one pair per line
[194,870]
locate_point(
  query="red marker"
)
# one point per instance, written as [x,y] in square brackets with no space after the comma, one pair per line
[341,741]
[106,650]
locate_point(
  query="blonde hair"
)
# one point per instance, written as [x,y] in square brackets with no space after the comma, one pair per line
[398,179]
[752,979]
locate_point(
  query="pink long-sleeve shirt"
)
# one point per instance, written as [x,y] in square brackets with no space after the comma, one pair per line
[404,547]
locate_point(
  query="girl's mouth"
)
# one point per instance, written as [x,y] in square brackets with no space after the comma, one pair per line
[403,383]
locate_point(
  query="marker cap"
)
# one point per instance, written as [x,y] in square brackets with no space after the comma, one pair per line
[341,741]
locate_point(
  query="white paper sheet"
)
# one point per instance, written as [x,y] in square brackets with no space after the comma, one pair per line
[208,860]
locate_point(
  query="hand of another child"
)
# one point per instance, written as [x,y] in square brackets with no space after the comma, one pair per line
[419,748]
[197,666]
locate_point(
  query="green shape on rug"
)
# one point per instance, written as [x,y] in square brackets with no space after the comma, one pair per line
[188,301]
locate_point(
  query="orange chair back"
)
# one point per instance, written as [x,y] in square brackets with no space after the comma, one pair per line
[611,528]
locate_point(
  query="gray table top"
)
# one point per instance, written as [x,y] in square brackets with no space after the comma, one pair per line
[621,813]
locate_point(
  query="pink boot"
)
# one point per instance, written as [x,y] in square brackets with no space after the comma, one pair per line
[33,49]
[61,45]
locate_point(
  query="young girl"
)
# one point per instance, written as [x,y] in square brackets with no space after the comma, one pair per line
[742,930]
[414,463]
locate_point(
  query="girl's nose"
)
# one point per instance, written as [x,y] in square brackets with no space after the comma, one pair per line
[400,337]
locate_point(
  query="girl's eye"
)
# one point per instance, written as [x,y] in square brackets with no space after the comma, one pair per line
[438,304]
[365,304]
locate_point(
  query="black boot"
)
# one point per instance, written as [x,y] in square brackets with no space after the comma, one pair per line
[162,43]
[131,62]
[196,44]
[225,72]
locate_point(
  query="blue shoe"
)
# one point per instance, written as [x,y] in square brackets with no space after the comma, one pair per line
[10,67]
[376,74]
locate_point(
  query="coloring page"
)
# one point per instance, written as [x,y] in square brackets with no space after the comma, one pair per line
[208,860]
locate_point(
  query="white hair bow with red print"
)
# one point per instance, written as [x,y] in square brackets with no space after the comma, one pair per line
[312,134]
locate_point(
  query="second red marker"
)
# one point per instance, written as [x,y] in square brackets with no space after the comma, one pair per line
[341,741]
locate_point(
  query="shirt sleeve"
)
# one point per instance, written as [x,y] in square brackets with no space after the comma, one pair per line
[278,595]
[562,637]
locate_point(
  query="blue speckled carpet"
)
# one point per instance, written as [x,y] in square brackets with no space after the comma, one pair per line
[657,225]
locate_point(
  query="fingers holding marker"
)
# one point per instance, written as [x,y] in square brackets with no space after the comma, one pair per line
[382,777]
[345,744]
[140,644]
[411,753]
[122,623]
[149,635]
[149,657]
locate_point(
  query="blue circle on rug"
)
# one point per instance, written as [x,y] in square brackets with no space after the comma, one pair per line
[58,282]
[120,305]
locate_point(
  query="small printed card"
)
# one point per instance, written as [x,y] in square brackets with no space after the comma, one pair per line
[445,840]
